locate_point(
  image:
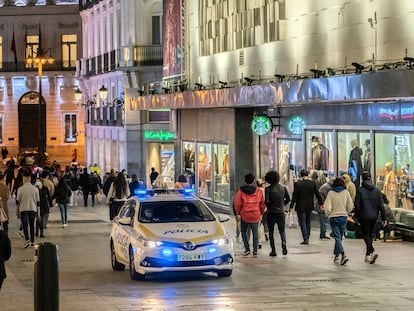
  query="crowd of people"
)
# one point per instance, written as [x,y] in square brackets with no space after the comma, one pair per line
[339,203]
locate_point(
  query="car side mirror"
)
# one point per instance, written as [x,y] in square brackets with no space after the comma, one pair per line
[125,221]
[223,218]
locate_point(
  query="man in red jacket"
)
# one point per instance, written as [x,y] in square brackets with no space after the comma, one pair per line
[249,206]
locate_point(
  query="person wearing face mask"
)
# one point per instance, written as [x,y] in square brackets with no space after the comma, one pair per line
[44,208]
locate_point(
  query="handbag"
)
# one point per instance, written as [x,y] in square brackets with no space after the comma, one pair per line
[3,215]
[292,219]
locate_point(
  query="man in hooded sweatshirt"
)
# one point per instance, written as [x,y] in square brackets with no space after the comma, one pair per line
[368,204]
[249,206]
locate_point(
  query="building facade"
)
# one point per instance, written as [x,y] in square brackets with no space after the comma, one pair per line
[285,85]
[122,52]
[36,102]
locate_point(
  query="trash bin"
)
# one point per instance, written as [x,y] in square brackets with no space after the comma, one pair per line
[46,277]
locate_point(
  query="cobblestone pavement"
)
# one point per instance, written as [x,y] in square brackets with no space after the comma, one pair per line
[305,279]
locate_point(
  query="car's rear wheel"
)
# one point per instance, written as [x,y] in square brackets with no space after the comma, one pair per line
[116,265]
[132,272]
[224,273]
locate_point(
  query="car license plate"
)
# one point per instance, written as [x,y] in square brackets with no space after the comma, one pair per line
[191,257]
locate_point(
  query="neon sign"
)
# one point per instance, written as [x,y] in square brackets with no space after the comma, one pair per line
[159,135]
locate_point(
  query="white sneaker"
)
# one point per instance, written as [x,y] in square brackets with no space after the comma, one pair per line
[367,258]
[27,244]
[20,234]
[336,259]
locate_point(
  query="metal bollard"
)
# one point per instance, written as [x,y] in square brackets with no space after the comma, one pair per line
[46,277]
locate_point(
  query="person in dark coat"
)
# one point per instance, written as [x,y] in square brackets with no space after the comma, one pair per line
[5,253]
[369,204]
[302,200]
[276,197]
[94,185]
[44,208]
[62,195]
[84,183]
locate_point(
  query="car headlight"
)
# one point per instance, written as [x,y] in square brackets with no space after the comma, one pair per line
[151,244]
[222,241]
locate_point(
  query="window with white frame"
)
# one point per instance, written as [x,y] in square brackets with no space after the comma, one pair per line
[71,132]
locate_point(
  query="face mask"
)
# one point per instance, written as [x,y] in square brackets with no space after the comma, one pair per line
[38,184]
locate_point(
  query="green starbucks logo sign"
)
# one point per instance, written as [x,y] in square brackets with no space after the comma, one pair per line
[261,125]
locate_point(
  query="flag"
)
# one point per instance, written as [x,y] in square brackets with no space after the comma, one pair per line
[13,49]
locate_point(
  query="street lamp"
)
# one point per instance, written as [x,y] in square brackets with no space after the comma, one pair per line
[103,93]
[40,58]
[79,96]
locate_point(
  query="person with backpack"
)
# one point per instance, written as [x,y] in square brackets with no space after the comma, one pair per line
[249,206]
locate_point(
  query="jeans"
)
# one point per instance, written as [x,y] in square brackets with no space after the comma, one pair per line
[278,219]
[338,226]
[63,212]
[367,229]
[255,229]
[323,221]
[28,220]
[305,224]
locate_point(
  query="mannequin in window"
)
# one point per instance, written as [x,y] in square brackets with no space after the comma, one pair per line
[355,162]
[367,156]
[404,188]
[284,164]
[202,166]
[189,158]
[390,184]
[225,171]
[320,155]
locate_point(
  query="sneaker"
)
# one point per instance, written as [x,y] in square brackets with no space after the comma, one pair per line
[373,258]
[254,255]
[305,242]
[325,238]
[367,258]
[284,248]
[336,259]
[246,253]
[272,254]
[20,234]
[32,244]
[42,236]
[266,237]
[27,244]
[259,245]
[344,260]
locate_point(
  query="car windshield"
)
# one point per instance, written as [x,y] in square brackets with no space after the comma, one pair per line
[174,211]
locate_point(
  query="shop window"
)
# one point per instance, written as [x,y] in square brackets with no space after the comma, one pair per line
[71,132]
[204,168]
[189,154]
[319,152]
[393,156]
[289,165]
[354,154]
[69,47]
[221,177]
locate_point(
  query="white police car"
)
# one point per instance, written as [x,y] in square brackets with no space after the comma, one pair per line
[155,233]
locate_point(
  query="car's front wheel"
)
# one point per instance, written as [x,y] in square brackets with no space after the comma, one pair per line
[132,272]
[116,265]
[224,273]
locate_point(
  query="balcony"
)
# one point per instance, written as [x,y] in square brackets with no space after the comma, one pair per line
[146,55]
[22,66]
[105,116]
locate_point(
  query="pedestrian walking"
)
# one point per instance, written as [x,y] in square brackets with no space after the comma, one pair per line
[5,253]
[62,196]
[249,206]
[368,206]
[276,197]
[302,200]
[84,184]
[94,185]
[44,208]
[4,196]
[338,205]
[27,200]
[323,218]
[117,195]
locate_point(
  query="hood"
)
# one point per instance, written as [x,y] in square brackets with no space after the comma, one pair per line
[183,231]
[248,189]
[338,189]
[368,185]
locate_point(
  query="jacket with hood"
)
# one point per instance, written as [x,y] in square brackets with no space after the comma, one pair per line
[369,203]
[249,203]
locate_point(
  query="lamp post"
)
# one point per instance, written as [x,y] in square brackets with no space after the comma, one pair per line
[42,57]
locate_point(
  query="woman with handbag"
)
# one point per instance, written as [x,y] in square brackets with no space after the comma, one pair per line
[117,195]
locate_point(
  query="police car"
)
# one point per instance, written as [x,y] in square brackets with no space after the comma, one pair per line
[169,232]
